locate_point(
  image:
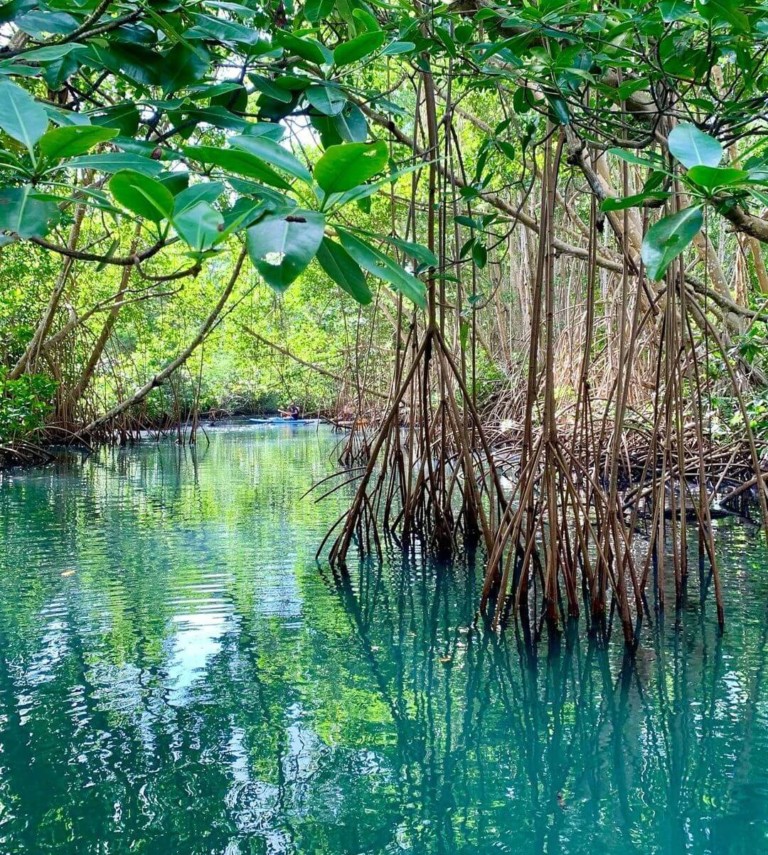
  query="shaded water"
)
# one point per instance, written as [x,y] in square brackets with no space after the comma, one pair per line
[177,676]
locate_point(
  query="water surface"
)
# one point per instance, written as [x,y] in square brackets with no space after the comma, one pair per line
[178,676]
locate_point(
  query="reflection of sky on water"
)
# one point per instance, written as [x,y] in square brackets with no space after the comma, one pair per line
[194,642]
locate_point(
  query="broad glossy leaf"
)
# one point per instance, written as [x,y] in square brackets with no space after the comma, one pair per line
[421,253]
[124,116]
[205,191]
[220,29]
[652,161]
[268,88]
[667,238]
[139,64]
[351,124]
[725,11]
[317,10]
[241,162]
[616,204]
[344,270]
[40,22]
[142,195]
[384,267]
[52,53]
[306,48]
[326,99]
[693,147]
[242,214]
[21,117]
[112,162]
[74,140]
[281,246]
[199,226]
[65,118]
[358,48]
[396,48]
[273,153]
[711,177]
[343,167]
[182,66]
[23,214]
[674,10]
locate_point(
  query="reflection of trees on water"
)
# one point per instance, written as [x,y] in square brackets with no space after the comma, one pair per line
[196,687]
[566,748]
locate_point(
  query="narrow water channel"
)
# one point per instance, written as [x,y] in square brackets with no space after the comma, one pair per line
[178,676]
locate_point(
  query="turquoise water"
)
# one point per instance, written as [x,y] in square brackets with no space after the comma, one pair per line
[177,675]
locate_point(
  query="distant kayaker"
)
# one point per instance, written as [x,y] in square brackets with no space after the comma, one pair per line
[291,413]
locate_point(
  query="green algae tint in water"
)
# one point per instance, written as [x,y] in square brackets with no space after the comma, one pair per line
[177,676]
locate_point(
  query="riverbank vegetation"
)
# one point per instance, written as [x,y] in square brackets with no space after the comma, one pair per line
[517,248]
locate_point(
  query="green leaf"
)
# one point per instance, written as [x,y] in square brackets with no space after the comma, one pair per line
[693,147]
[205,191]
[241,162]
[652,161]
[281,246]
[115,162]
[615,204]
[725,11]
[268,88]
[667,238]
[317,10]
[305,48]
[395,48]
[73,140]
[559,110]
[222,30]
[383,267]
[274,154]
[358,48]
[124,116]
[23,214]
[21,117]
[344,270]
[421,253]
[479,254]
[182,66]
[343,167]
[350,124]
[674,10]
[199,225]
[711,177]
[142,195]
[326,99]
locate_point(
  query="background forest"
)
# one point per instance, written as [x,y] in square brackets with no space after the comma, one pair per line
[522,240]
